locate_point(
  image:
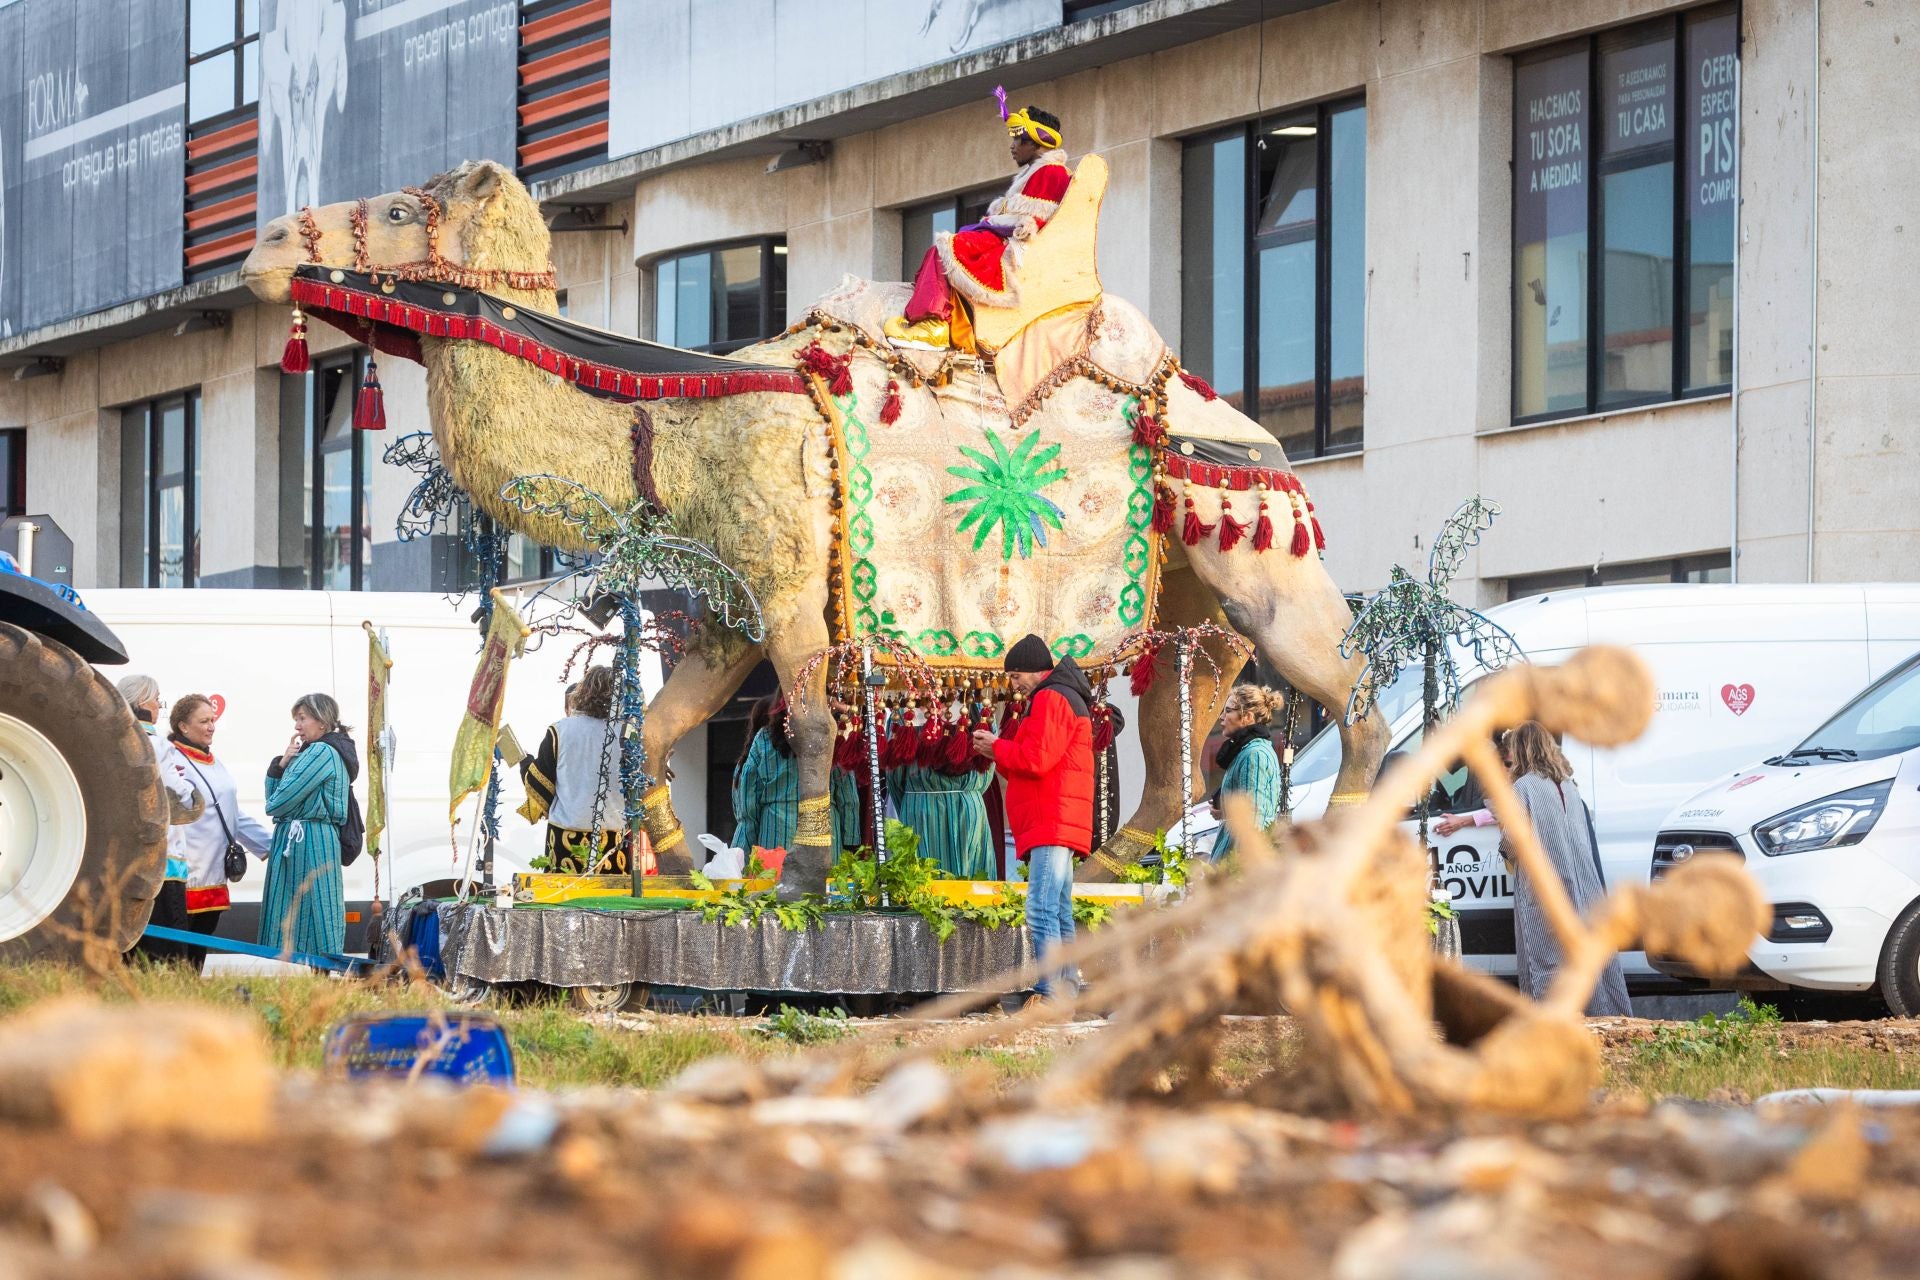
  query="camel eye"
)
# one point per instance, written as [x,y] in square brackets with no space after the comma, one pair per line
[398,213]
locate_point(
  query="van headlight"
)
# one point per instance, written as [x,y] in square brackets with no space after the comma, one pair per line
[1832,823]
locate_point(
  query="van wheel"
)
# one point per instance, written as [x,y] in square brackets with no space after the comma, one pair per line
[1900,965]
[609,999]
[83,819]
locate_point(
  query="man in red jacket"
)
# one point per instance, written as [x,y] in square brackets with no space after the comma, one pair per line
[1047,765]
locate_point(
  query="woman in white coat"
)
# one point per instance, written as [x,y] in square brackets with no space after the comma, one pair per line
[184,804]
[223,825]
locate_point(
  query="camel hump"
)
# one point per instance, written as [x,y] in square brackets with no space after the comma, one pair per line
[1058,268]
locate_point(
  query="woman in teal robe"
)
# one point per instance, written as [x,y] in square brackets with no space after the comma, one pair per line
[303,907]
[766,790]
[1252,765]
[949,813]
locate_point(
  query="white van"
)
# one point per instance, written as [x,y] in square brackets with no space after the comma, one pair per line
[1742,672]
[1831,830]
[258,650]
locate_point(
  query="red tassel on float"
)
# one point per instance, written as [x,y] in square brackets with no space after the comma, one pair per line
[1198,386]
[370,410]
[932,747]
[1162,509]
[1302,541]
[1144,670]
[959,757]
[1263,528]
[890,407]
[1319,537]
[294,357]
[1102,728]
[1231,530]
[1148,431]
[1193,530]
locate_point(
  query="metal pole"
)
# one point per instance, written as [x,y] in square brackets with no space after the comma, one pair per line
[632,713]
[23,547]
[1183,662]
[877,805]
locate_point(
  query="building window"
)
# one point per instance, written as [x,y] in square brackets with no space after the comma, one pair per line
[920,223]
[1716,567]
[160,490]
[223,57]
[326,508]
[13,473]
[1273,230]
[721,298]
[1623,210]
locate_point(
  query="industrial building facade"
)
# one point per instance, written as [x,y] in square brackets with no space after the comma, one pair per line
[1622,266]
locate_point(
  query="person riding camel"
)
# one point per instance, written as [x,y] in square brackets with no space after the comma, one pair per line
[974,261]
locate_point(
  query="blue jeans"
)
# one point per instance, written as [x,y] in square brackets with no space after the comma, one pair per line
[1049,906]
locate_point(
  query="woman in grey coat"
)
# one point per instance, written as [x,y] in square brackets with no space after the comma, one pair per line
[1544,781]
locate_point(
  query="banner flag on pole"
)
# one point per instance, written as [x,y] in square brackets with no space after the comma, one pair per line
[379,670]
[473,745]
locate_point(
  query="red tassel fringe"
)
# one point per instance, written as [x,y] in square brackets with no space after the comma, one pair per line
[1148,431]
[1102,728]
[890,407]
[1231,530]
[1198,386]
[1162,510]
[1263,531]
[1194,530]
[1319,536]
[1145,667]
[959,755]
[294,358]
[370,410]
[1302,542]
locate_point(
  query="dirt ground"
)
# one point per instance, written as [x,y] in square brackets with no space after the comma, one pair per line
[737,1169]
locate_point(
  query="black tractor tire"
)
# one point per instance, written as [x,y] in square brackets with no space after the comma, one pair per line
[1900,965]
[47,688]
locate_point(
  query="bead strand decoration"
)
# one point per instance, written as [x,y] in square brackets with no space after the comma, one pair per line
[875,796]
[1183,668]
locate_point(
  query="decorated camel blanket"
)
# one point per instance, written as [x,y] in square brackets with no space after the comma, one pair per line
[980,501]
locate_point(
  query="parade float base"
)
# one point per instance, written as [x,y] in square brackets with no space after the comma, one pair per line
[600,935]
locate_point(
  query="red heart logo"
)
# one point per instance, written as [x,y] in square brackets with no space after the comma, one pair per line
[219,705]
[1738,697]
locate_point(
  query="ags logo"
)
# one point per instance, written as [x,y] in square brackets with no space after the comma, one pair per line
[1738,697]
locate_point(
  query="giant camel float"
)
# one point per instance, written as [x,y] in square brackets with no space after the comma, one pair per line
[759,477]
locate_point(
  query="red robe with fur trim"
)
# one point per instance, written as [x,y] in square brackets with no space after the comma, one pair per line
[973,259]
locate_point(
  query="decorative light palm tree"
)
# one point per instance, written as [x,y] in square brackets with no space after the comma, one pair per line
[1413,621]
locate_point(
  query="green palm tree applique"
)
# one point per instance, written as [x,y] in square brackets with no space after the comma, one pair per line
[1004,490]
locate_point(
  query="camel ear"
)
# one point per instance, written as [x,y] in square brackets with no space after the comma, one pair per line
[480,182]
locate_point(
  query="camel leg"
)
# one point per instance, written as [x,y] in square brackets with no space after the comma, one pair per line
[796,638]
[1294,614]
[699,685]
[1184,602]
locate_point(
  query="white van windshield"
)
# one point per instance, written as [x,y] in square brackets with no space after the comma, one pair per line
[1320,758]
[1883,721]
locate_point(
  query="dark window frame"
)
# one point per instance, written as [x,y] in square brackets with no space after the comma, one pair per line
[359,471]
[13,494]
[771,247]
[1252,131]
[243,102]
[1631,572]
[959,204]
[152,486]
[1678,27]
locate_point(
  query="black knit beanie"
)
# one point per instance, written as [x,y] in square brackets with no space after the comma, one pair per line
[1029,653]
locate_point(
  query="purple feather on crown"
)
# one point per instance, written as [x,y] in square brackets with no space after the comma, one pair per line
[1000,97]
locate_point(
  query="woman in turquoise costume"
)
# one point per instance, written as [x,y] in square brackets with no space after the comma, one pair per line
[308,788]
[948,811]
[1252,765]
[766,787]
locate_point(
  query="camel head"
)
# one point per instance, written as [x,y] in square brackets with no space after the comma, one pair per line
[477,217]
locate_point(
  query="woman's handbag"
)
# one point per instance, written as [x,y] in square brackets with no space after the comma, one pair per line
[235,863]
